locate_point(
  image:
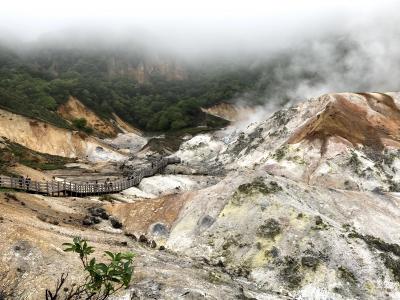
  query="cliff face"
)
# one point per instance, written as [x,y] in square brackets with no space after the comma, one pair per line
[46,138]
[143,69]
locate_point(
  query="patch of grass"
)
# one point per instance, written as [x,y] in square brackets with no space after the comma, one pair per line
[214,277]
[231,241]
[354,162]
[347,275]
[290,273]
[392,264]
[273,252]
[280,153]
[297,159]
[310,261]
[389,157]
[377,243]
[387,250]
[106,197]
[281,117]
[319,224]
[257,186]
[13,153]
[394,186]
[241,143]
[270,229]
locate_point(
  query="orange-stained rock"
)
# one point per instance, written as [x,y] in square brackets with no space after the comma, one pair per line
[368,119]
[138,217]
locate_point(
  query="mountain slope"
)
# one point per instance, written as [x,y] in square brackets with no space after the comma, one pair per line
[46,138]
[150,93]
[336,140]
[297,207]
[305,207]
[73,109]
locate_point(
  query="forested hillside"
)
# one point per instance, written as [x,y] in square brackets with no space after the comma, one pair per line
[36,83]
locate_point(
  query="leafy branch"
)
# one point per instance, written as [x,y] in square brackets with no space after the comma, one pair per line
[102,278]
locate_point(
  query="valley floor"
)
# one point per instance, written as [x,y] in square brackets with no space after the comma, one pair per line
[34,228]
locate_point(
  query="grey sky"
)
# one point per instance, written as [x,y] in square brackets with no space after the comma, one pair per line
[192,25]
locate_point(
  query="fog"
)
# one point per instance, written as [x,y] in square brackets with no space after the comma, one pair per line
[188,27]
[315,47]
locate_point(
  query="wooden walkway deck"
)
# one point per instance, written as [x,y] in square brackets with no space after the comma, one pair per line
[64,188]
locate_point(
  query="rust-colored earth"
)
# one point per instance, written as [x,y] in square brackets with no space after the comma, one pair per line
[137,217]
[369,119]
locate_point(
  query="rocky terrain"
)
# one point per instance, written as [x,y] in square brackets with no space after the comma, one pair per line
[303,205]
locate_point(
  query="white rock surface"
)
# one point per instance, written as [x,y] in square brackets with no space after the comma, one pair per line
[130,142]
[134,192]
[306,205]
[199,149]
[167,184]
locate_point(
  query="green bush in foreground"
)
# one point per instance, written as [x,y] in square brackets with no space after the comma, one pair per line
[102,279]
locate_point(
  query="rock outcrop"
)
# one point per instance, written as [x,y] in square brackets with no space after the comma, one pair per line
[142,70]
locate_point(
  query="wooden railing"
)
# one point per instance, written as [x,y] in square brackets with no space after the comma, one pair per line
[64,188]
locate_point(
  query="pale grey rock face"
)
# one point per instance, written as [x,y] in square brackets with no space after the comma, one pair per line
[167,184]
[283,234]
[309,204]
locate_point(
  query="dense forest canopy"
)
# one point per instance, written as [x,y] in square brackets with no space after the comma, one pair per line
[35,83]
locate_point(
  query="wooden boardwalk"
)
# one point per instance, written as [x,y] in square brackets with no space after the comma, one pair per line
[64,188]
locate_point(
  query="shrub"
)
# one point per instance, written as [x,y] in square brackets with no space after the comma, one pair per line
[102,279]
[355,162]
[81,124]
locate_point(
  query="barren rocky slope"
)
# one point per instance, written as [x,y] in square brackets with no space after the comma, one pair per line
[303,205]
[74,109]
[309,202]
[46,138]
[32,258]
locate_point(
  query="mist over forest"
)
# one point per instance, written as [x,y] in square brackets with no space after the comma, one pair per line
[158,77]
